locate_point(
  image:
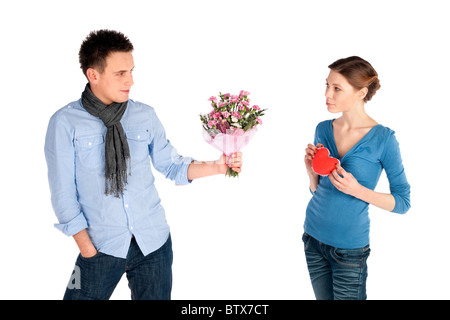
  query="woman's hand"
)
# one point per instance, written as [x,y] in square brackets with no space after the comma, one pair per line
[309,156]
[344,181]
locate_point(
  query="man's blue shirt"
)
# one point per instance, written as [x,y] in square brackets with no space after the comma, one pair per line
[75,151]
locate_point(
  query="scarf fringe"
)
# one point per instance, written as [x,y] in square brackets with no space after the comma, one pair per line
[115,186]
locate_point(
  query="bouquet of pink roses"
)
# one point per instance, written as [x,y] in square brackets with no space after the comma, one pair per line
[231,124]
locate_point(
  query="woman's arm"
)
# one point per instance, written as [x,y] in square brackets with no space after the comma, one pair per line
[345,182]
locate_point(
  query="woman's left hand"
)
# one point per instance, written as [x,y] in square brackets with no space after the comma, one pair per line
[344,181]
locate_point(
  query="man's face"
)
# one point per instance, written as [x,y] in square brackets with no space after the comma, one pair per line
[113,85]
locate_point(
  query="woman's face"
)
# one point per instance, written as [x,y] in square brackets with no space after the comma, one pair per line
[340,95]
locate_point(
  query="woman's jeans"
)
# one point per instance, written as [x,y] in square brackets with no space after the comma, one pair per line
[149,277]
[336,274]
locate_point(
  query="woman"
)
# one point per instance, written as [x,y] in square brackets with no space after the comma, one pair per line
[337,222]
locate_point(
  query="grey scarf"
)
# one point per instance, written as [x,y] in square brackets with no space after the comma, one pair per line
[117,151]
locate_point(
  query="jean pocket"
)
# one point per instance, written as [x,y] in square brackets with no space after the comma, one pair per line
[306,240]
[95,256]
[350,257]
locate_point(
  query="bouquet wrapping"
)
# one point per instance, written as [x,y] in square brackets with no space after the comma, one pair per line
[231,123]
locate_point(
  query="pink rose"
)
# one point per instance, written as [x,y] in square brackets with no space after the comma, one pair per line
[212,99]
[236,114]
[243,93]
[259,120]
[256,107]
[225,114]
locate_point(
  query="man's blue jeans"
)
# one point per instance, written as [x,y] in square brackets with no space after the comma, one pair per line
[149,277]
[336,274]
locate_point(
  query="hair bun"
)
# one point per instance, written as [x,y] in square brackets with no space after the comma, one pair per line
[359,73]
[372,88]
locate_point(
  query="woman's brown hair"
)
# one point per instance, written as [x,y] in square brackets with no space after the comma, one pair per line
[359,73]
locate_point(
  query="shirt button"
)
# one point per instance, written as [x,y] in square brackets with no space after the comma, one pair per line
[131,227]
[90,143]
[139,137]
[126,206]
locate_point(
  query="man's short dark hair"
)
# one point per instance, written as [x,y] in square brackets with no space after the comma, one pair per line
[98,45]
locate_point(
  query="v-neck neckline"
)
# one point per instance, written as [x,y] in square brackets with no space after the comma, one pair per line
[365,137]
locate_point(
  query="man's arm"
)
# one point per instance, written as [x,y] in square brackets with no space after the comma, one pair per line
[60,156]
[200,169]
[84,243]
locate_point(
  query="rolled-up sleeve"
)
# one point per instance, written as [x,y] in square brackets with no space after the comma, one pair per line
[165,157]
[395,172]
[60,156]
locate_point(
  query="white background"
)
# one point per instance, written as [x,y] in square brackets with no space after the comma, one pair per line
[233,238]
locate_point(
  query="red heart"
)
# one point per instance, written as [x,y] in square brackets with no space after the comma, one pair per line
[322,163]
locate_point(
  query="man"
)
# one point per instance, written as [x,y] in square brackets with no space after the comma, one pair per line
[98,152]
